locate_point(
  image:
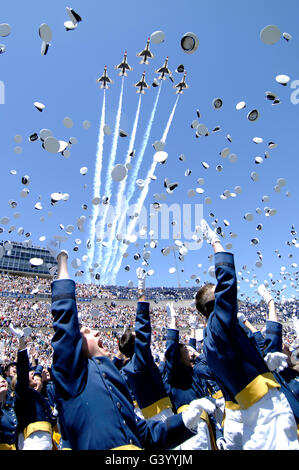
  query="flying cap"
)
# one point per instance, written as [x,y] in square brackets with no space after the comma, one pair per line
[45,33]
[51,144]
[83,170]
[36,261]
[69,25]
[39,106]
[189,43]
[122,133]
[270,34]
[258,140]
[240,105]
[180,68]
[157,37]
[287,36]
[106,129]
[160,157]
[282,79]
[74,17]
[44,48]
[253,115]
[217,103]
[159,145]
[5,29]
[119,172]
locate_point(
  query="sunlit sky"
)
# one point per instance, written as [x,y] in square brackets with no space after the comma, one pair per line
[231,63]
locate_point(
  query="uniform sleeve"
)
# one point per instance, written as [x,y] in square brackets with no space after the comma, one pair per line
[226,307]
[143,331]
[163,435]
[273,337]
[22,371]
[173,365]
[69,370]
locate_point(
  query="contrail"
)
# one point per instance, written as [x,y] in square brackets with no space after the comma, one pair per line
[122,187]
[134,174]
[109,170]
[97,181]
[143,195]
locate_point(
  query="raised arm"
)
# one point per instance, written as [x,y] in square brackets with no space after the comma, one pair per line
[142,348]
[226,307]
[69,364]
[22,360]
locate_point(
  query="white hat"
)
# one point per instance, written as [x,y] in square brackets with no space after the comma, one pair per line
[253,115]
[157,37]
[189,43]
[282,79]
[217,103]
[5,29]
[270,34]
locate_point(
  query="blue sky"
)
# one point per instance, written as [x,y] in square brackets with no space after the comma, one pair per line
[231,63]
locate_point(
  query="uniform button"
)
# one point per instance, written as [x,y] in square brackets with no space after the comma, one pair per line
[130,441]
[118,405]
[124,423]
[104,375]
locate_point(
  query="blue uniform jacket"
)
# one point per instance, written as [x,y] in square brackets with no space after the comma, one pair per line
[32,408]
[288,378]
[180,379]
[8,421]
[236,363]
[94,405]
[141,372]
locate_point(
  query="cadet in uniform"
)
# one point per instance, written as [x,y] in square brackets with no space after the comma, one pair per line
[94,405]
[237,365]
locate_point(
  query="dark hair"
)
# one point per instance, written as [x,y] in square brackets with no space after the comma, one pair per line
[127,343]
[205,299]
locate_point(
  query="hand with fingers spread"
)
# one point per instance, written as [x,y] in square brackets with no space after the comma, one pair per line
[263,292]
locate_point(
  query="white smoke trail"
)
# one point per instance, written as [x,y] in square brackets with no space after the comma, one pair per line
[108,186]
[133,176]
[97,182]
[142,197]
[120,193]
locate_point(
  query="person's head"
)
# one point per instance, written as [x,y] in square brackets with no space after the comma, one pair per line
[33,380]
[127,343]
[11,369]
[38,382]
[205,299]
[92,344]
[292,356]
[185,355]
[3,386]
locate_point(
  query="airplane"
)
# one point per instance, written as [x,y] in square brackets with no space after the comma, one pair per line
[141,84]
[182,84]
[104,78]
[146,53]
[124,66]
[164,70]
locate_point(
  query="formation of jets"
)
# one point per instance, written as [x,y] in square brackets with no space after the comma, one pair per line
[146,54]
